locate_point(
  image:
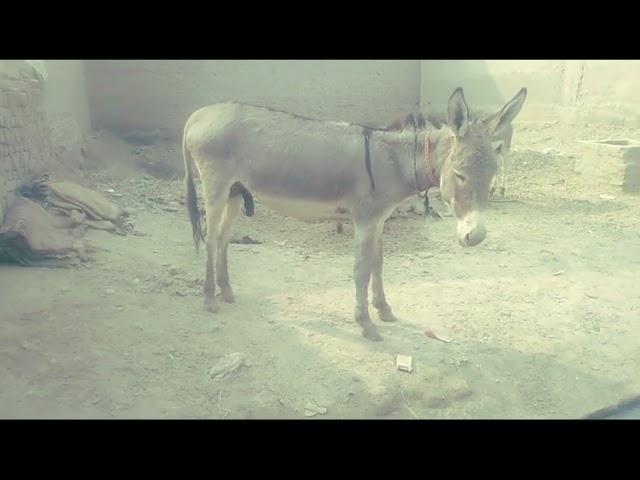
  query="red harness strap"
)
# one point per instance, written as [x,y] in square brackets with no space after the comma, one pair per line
[431,176]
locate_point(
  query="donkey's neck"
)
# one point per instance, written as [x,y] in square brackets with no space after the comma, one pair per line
[427,158]
[405,161]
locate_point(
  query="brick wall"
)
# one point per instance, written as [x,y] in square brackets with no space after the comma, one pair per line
[25,143]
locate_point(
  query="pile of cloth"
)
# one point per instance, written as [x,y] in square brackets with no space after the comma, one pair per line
[44,222]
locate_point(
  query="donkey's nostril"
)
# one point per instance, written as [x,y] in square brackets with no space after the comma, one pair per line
[467,238]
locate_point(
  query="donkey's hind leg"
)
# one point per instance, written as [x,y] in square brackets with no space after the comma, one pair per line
[216,194]
[230,213]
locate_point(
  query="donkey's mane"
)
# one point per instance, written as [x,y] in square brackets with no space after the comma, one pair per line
[417,120]
[421,119]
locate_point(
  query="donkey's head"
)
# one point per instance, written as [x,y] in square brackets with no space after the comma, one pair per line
[469,163]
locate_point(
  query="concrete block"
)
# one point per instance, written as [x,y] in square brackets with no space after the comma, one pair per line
[611,161]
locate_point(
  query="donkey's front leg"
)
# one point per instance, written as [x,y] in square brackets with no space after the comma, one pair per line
[365,239]
[377,289]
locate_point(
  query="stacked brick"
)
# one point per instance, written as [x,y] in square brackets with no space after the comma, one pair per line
[25,142]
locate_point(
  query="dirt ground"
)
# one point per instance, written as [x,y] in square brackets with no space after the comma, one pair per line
[543,315]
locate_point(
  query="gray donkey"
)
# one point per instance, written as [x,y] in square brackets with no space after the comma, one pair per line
[318,170]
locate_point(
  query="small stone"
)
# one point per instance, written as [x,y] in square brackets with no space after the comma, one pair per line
[109,291]
[311,410]
[226,366]
[173,271]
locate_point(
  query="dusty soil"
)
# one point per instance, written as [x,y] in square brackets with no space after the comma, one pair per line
[543,316]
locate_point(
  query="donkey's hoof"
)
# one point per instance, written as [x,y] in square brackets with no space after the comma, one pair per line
[227,295]
[370,332]
[386,315]
[210,307]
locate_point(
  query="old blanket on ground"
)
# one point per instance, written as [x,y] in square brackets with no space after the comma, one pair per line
[44,221]
[32,236]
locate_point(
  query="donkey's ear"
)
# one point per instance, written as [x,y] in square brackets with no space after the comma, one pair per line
[458,113]
[496,122]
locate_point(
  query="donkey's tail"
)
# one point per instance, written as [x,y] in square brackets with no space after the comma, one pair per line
[192,195]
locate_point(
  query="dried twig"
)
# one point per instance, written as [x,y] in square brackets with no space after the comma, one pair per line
[221,409]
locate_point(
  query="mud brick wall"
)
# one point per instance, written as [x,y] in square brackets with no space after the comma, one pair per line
[156,97]
[25,143]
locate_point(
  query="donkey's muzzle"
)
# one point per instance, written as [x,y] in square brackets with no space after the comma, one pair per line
[471,231]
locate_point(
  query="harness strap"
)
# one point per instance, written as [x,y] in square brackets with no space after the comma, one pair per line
[367,157]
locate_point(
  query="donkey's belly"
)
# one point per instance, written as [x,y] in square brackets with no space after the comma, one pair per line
[306,210]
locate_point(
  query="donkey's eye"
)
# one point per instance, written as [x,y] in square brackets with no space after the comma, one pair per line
[461,177]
